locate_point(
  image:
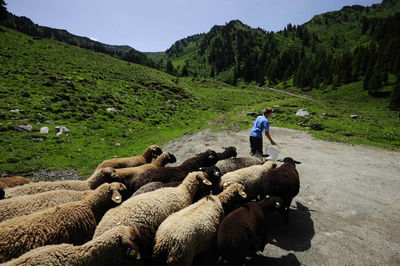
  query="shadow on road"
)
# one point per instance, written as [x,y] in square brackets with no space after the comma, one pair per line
[294,236]
[289,259]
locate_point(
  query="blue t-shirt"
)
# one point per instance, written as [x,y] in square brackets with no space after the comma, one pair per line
[259,124]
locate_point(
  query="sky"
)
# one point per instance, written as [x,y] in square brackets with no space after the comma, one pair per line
[154,25]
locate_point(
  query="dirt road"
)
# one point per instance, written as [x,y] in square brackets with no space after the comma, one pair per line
[348,208]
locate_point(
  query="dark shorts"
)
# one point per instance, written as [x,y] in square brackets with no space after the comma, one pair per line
[256,145]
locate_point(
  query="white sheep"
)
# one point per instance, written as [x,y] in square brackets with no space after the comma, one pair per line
[193,230]
[232,164]
[115,247]
[95,180]
[72,222]
[147,211]
[249,177]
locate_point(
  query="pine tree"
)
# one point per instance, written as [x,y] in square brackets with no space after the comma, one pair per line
[170,68]
[3,11]
[395,102]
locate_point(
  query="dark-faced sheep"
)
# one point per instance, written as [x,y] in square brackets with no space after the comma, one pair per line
[115,247]
[104,175]
[72,222]
[242,232]
[147,211]
[130,173]
[148,155]
[174,174]
[227,153]
[193,230]
[282,182]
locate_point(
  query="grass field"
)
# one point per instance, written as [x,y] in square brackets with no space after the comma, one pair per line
[54,84]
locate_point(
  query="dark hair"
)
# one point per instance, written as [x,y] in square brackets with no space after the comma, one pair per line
[267,111]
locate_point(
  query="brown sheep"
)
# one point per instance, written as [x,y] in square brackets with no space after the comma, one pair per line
[282,182]
[115,247]
[13,181]
[73,222]
[227,153]
[151,152]
[175,173]
[242,232]
[95,180]
[27,204]
[130,173]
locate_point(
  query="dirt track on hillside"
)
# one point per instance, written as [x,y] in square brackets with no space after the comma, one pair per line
[348,208]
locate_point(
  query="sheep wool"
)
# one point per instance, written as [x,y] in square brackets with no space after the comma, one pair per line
[13,181]
[151,152]
[130,173]
[249,177]
[192,230]
[24,205]
[72,222]
[110,248]
[232,164]
[98,177]
[147,211]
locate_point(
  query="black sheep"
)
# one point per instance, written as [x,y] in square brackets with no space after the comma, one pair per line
[282,182]
[2,193]
[176,173]
[227,153]
[242,232]
[212,174]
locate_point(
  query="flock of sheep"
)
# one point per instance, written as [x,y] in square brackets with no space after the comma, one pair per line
[135,210]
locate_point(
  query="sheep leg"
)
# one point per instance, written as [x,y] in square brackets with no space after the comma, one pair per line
[286,212]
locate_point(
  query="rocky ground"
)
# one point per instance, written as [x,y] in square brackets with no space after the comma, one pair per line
[348,208]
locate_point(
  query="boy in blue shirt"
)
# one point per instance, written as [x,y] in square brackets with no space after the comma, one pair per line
[261,123]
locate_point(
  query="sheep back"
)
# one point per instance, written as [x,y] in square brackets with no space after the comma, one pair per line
[13,181]
[108,249]
[24,205]
[232,164]
[73,224]
[188,232]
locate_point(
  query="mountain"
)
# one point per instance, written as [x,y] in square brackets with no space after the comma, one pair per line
[124,52]
[352,44]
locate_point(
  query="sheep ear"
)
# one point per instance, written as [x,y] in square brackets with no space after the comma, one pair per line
[242,194]
[297,162]
[211,157]
[277,205]
[207,182]
[116,197]
[114,175]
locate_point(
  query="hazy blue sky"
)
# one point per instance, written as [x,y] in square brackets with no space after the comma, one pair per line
[154,25]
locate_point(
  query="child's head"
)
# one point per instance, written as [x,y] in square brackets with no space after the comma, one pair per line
[267,112]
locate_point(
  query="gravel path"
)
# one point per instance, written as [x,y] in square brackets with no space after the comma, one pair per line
[348,208]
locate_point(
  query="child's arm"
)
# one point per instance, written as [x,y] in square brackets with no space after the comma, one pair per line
[269,137]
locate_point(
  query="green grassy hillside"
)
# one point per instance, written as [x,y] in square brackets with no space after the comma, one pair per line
[54,84]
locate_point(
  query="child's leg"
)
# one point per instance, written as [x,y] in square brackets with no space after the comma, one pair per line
[253,145]
[259,146]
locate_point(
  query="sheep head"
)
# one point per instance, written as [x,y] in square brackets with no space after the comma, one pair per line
[200,176]
[212,173]
[171,158]
[119,192]
[130,235]
[290,160]
[155,151]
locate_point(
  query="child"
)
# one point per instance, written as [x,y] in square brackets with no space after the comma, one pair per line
[261,123]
